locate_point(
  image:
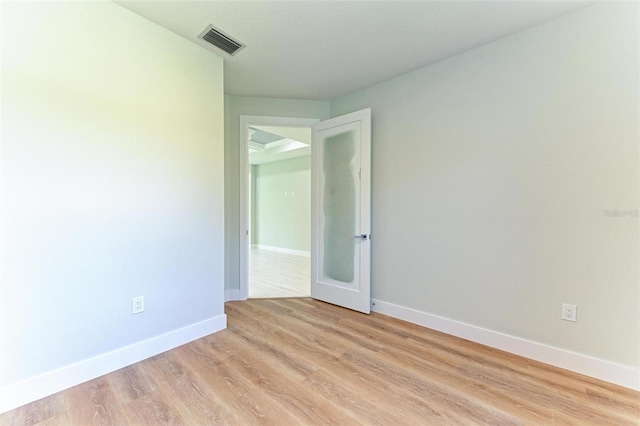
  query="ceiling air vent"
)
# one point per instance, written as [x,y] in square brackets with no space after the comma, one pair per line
[221,40]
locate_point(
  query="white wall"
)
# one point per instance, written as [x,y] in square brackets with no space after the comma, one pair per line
[235,106]
[112,187]
[492,174]
[283,204]
[252,203]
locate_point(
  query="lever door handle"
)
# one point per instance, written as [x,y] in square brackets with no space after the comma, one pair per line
[363,237]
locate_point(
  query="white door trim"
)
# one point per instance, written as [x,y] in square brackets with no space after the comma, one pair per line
[245,122]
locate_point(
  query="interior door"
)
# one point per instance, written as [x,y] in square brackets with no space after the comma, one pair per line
[341,211]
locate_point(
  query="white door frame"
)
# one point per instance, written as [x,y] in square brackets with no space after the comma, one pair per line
[245,122]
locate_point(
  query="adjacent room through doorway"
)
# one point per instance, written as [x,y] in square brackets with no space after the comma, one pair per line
[278,213]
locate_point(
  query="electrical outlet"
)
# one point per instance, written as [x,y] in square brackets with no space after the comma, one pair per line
[138,305]
[569,312]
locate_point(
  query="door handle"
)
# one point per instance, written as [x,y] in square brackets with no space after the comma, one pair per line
[363,237]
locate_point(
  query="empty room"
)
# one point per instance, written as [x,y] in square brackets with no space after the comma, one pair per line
[464,203]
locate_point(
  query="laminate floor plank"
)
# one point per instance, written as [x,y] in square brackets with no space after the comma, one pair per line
[299,361]
[290,394]
[41,411]
[327,322]
[235,378]
[275,274]
[58,420]
[92,403]
[132,383]
[296,333]
[181,381]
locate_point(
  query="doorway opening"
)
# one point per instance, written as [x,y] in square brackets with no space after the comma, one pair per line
[275,206]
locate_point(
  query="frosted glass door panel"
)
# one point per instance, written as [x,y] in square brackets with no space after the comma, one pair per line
[339,208]
[341,211]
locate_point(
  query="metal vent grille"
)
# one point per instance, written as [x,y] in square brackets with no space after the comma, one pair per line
[221,40]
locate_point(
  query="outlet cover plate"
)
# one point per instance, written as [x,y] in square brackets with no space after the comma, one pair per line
[137,305]
[569,312]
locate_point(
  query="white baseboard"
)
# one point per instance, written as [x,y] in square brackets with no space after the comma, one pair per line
[282,250]
[18,394]
[232,294]
[583,364]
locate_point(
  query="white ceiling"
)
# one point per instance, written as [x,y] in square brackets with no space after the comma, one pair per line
[323,50]
[293,142]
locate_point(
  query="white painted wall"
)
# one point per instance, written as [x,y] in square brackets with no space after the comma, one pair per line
[112,187]
[283,204]
[493,172]
[235,106]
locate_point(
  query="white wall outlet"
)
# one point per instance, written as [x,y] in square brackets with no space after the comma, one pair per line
[138,305]
[569,312]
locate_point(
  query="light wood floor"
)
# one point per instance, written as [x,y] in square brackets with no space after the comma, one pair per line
[274,274]
[304,362]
